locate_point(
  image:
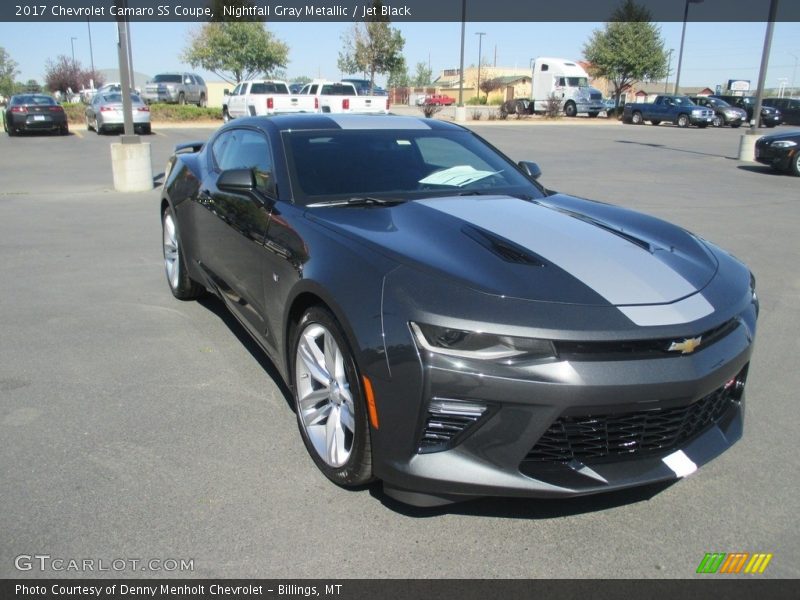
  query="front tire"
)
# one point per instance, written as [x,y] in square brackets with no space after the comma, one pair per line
[181,286]
[203,102]
[794,168]
[570,109]
[181,99]
[331,412]
[225,114]
[683,121]
[718,121]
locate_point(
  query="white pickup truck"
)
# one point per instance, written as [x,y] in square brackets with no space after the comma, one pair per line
[341,97]
[255,98]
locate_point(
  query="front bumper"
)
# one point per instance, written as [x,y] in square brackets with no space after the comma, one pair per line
[706,119]
[161,95]
[589,106]
[778,158]
[600,407]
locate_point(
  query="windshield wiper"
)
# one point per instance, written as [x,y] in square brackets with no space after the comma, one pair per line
[359,201]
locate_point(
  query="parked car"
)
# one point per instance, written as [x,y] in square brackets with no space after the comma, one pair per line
[176,88]
[266,97]
[780,151]
[341,97]
[788,107]
[724,113]
[679,110]
[450,327]
[105,113]
[34,112]
[439,100]
[770,117]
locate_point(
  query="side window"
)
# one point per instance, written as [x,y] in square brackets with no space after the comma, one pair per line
[219,147]
[199,80]
[249,150]
[545,67]
[313,89]
[236,90]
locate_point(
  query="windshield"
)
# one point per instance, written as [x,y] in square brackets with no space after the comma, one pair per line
[683,101]
[398,165]
[167,79]
[269,88]
[577,82]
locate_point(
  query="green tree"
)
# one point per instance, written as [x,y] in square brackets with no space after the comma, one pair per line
[31,86]
[398,75]
[629,48]
[302,80]
[372,47]
[8,71]
[236,51]
[423,75]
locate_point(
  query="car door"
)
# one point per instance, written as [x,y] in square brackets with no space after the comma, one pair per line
[190,85]
[236,101]
[235,223]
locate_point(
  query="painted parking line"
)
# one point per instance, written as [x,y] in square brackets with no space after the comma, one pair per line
[154,132]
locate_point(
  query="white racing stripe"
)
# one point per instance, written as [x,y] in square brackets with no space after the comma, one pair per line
[618,270]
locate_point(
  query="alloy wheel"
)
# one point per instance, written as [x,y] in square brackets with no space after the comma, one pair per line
[324,399]
[171,262]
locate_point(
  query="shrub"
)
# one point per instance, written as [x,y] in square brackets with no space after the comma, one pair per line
[553,107]
[477,114]
[76,112]
[186,112]
[430,109]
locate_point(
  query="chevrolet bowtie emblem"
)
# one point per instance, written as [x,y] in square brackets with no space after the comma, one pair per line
[687,346]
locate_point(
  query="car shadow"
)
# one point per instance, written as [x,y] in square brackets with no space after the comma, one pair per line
[526,508]
[216,306]
[683,150]
[763,169]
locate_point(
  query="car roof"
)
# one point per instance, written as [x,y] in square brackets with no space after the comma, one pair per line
[311,121]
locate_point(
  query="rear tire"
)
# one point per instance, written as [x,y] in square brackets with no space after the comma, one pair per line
[636,118]
[203,102]
[331,411]
[225,114]
[181,286]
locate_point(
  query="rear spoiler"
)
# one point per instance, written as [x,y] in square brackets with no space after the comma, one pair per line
[188,147]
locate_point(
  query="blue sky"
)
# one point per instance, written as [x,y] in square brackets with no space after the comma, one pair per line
[713,52]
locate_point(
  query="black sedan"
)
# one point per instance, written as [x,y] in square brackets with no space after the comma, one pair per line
[780,151]
[34,112]
[450,327]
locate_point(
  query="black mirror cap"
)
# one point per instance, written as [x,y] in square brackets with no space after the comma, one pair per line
[531,169]
[237,180]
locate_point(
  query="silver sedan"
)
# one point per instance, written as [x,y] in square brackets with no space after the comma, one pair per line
[105,113]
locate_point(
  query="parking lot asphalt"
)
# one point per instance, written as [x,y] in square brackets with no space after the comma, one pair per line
[135,426]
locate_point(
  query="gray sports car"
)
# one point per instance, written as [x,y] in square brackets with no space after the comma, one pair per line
[105,113]
[449,326]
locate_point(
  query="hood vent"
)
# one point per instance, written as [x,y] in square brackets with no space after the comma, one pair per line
[503,248]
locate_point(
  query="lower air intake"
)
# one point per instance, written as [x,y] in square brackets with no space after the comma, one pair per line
[447,422]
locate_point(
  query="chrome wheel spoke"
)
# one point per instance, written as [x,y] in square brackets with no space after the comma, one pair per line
[313,398]
[334,439]
[307,355]
[347,419]
[315,416]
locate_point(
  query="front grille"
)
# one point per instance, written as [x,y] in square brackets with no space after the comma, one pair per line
[633,434]
[596,96]
[637,349]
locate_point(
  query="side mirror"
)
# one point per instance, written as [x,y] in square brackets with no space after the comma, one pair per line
[226,92]
[531,169]
[237,181]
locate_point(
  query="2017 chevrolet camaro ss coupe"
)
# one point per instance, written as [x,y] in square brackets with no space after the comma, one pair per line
[449,326]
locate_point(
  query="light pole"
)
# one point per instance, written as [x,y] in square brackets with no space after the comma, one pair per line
[91,53]
[72,44]
[669,64]
[794,72]
[480,35]
[461,66]
[683,35]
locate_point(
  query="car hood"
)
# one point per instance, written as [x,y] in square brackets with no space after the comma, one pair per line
[560,249]
[790,136]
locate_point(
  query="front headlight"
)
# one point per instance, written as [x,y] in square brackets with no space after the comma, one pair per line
[697,111]
[479,345]
[784,144]
[754,296]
